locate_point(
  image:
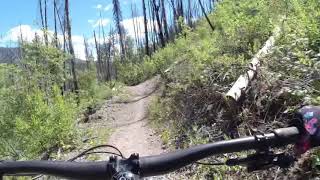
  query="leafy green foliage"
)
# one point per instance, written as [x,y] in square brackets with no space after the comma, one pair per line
[93,92]
[36,116]
[242,28]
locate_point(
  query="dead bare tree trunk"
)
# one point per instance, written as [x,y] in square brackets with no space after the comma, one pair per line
[112,51]
[189,14]
[175,17]
[86,50]
[109,50]
[41,13]
[134,26]
[118,18]
[156,9]
[105,63]
[164,20]
[44,21]
[139,32]
[146,35]
[180,8]
[55,11]
[153,28]
[71,50]
[206,16]
[99,72]
[62,26]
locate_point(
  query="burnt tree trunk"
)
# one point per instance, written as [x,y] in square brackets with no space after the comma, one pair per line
[146,35]
[156,9]
[99,72]
[86,50]
[164,20]
[206,16]
[55,11]
[118,18]
[71,51]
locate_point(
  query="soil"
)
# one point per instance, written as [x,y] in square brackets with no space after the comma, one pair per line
[123,122]
[132,132]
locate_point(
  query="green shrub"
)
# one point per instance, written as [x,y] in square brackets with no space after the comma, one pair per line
[31,125]
[35,116]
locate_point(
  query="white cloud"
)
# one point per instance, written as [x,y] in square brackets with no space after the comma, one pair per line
[28,33]
[128,24]
[98,6]
[108,7]
[15,33]
[100,22]
[125,2]
[78,45]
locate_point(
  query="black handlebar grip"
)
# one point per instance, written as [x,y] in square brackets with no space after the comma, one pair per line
[70,170]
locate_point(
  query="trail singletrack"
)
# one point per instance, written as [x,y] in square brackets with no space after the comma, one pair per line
[132,132]
[124,124]
[128,119]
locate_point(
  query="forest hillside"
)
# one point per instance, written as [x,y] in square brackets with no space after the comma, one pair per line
[200,50]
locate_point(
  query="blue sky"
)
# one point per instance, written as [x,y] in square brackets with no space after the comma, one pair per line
[26,12]
[23,15]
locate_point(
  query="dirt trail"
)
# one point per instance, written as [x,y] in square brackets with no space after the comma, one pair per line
[124,124]
[132,133]
[129,121]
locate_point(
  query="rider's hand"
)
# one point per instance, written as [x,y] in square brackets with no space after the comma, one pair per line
[308,118]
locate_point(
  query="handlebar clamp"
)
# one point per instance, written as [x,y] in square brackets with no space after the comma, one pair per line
[261,141]
[125,169]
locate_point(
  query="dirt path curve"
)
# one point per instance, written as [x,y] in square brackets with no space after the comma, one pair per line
[132,133]
[127,121]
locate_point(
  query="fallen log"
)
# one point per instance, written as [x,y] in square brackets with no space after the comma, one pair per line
[241,85]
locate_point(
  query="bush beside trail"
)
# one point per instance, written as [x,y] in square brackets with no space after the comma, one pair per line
[36,118]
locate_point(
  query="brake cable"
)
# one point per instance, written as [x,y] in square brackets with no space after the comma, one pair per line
[97,147]
[211,163]
[87,152]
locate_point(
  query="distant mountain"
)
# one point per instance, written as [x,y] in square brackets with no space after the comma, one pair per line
[10,55]
[13,56]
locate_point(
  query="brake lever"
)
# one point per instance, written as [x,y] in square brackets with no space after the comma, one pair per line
[262,160]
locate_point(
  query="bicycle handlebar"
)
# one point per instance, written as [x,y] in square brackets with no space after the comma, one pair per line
[161,164]
[151,165]
[72,170]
